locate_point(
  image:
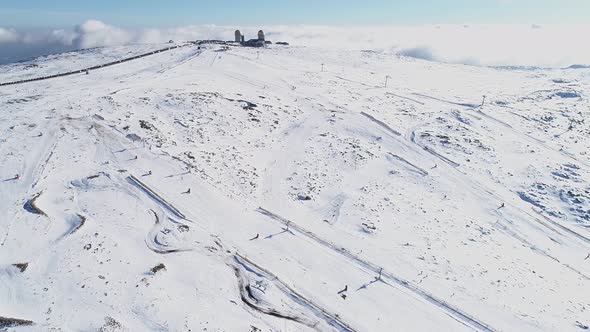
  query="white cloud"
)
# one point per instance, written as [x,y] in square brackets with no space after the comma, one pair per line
[525,45]
[94,33]
[8,35]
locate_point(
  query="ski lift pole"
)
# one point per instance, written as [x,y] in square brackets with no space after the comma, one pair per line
[386,80]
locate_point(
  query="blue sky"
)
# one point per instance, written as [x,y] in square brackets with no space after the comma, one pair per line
[141,13]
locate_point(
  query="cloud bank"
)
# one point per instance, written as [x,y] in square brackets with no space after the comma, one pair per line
[8,35]
[489,45]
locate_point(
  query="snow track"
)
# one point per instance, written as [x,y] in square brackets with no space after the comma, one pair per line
[412,167]
[446,101]
[386,277]
[158,239]
[253,282]
[406,98]
[432,152]
[157,198]
[381,124]
[556,226]
[130,197]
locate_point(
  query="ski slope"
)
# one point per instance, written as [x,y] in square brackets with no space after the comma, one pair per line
[248,190]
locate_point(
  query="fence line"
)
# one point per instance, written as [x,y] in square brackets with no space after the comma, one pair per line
[80,71]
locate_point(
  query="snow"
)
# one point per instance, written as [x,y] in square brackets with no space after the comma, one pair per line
[71,61]
[525,45]
[280,197]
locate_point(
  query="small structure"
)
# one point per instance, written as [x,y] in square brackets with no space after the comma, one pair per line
[259,42]
[254,43]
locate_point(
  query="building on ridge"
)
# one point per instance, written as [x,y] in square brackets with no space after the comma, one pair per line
[259,42]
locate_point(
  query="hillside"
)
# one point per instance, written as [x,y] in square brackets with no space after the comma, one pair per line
[204,189]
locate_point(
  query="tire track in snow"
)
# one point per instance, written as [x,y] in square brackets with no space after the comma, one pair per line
[548,223]
[478,109]
[157,198]
[180,63]
[501,226]
[417,294]
[492,193]
[246,296]
[530,138]
[446,101]
[403,97]
[450,310]
[381,124]
[413,167]
[243,265]
[560,226]
[388,278]
[432,152]
[155,244]
[152,241]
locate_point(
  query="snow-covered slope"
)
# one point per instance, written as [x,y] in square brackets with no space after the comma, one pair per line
[248,190]
[71,61]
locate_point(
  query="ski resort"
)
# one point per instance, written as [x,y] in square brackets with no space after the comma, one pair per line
[241,185]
